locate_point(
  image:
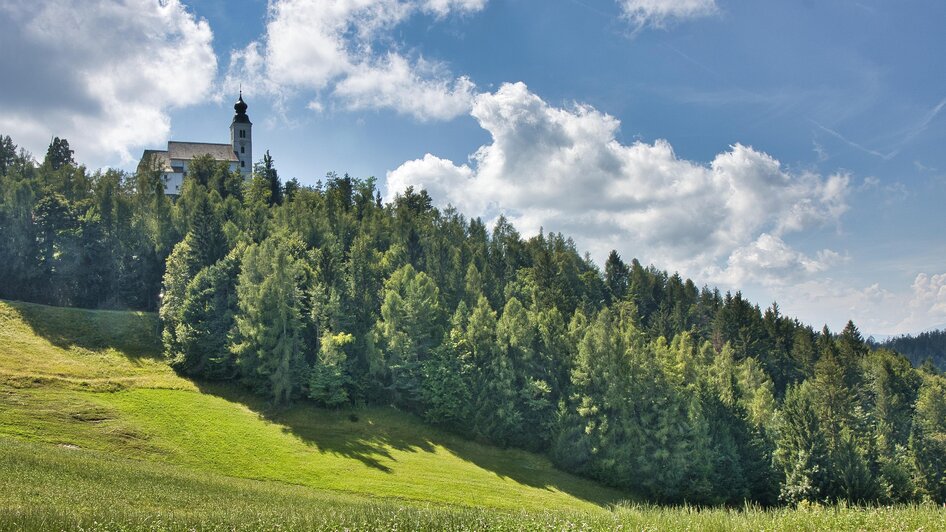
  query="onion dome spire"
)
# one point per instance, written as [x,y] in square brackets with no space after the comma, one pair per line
[240,108]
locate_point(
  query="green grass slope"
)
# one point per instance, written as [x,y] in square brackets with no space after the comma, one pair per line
[51,487]
[85,381]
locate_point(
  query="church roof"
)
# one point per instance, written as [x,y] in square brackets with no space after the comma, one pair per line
[191,150]
[157,157]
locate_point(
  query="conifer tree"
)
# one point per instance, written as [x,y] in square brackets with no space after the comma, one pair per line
[182,266]
[410,328]
[269,347]
[802,449]
[928,439]
[329,380]
[206,319]
[447,388]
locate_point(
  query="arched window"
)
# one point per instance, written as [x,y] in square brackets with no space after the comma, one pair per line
[242,149]
[242,164]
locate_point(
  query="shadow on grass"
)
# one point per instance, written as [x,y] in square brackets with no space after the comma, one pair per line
[361,437]
[134,334]
[370,434]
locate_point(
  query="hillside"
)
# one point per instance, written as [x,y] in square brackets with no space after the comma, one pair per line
[926,346]
[94,381]
[89,490]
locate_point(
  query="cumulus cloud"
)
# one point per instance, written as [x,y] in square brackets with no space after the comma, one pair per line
[100,73]
[418,90]
[927,305]
[564,169]
[344,48]
[658,13]
[770,261]
[892,309]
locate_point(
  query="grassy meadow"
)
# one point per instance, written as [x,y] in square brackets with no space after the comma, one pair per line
[50,487]
[97,433]
[95,380]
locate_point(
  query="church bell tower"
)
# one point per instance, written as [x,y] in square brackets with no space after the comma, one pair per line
[241,137]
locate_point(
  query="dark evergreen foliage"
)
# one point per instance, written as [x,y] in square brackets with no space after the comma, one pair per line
[926,346]
[632,376]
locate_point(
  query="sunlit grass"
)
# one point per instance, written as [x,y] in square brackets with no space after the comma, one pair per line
[150,413]
[49,487]
[97,433]
[82,349]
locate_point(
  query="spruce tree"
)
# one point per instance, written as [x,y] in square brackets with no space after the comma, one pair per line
[268,345]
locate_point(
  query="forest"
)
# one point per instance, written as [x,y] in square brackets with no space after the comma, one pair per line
[628,375]
[924,348]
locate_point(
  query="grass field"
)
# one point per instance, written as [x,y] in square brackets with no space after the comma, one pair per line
[97,433]
[50,487]
[95,380]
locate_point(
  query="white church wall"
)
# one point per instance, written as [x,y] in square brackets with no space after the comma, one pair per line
[173,182]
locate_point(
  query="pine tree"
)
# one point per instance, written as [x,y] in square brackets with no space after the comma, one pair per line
[182,266]
[59,155]
[928,439]
[447,388]
[269,347]
[410,328]
[616,276]
[802,449]
[266,171]
[206,319]
[209,241]
[329,380]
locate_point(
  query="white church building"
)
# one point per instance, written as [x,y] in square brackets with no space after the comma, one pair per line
[173,162]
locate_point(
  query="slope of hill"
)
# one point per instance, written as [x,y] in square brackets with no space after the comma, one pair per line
[97,433]
[929,345]
[94,380]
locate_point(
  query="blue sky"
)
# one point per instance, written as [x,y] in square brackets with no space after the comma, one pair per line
[790,149]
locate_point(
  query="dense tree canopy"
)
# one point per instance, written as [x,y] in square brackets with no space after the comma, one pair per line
[630,375]
[926,347]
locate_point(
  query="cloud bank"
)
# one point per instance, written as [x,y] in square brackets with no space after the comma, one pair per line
[344,49]
[101,73]
[564,169]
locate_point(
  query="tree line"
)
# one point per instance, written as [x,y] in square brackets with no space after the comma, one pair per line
[628,375]
[927,347]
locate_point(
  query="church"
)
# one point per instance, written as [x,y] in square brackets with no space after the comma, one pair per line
[173,162]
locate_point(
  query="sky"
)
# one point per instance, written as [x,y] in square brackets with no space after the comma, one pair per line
[791,150]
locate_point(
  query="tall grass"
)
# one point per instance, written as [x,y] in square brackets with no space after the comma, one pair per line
[97,433]
[48,487]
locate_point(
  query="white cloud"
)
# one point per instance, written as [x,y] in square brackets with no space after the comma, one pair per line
[894,309]
[658,13]
[927,305]
[418,90]
[563,169]
[770,261]
[345,48]
[101,74]
[444,7]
